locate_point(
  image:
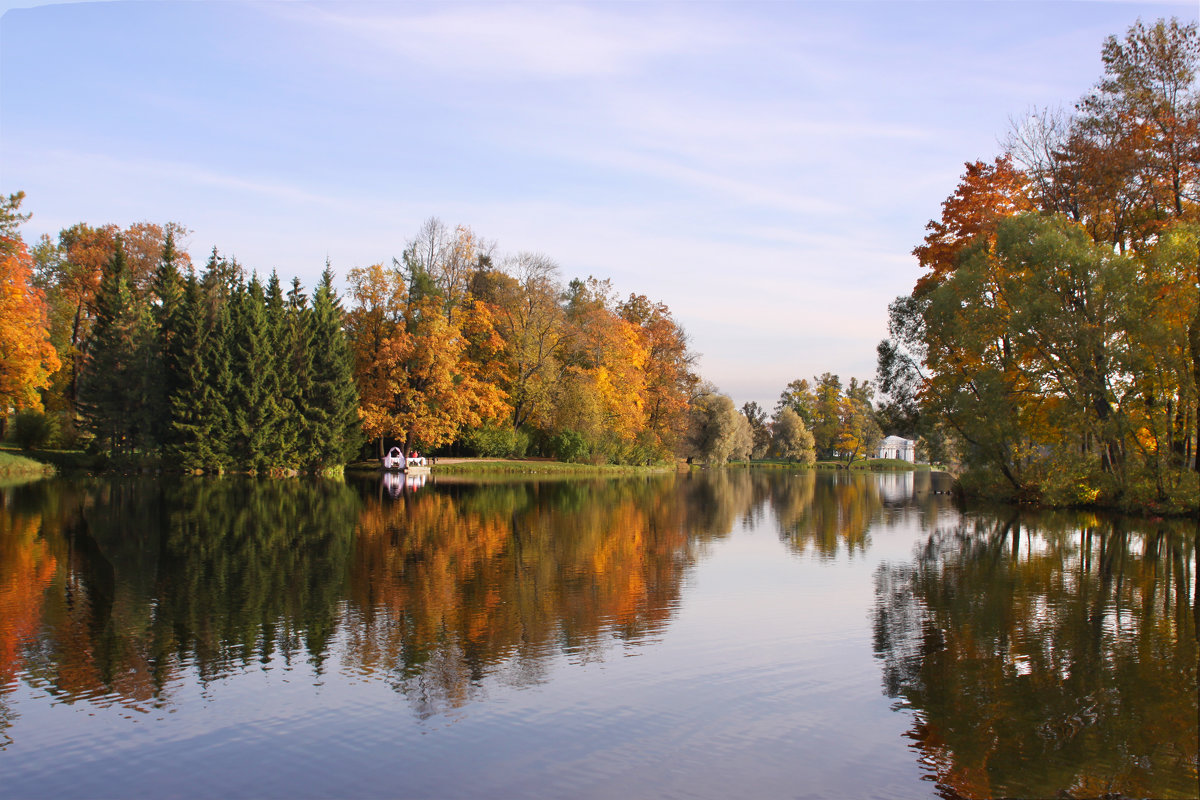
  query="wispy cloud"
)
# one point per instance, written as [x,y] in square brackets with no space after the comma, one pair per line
[74,165]
[544,41]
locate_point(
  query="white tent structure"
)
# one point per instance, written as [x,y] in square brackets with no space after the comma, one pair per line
[899,448]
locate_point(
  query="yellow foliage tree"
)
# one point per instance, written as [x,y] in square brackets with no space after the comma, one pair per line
[27,359]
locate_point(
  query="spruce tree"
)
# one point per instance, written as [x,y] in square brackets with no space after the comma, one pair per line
[333,410]
[163,371]
[218,363]
[201,423]
[254,411]
[286,441]
[109,386]
[298,390]
[191,400]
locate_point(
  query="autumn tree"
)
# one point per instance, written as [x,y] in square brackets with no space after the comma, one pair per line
[670,377]
[378,302]
[760,429]
[986,193]
[27,358]
[1124,165]
[858,431]
[791,439]
[69,273]
[827,413]
[533,325]
[798,396]
[410,359]
[718,432]
[602,391]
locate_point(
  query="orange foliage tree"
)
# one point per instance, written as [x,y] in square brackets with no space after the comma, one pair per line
[27,359]
[986,193]
[416,383]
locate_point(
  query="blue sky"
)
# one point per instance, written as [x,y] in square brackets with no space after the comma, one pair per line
[765,169]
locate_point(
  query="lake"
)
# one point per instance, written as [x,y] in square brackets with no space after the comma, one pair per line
[709,635]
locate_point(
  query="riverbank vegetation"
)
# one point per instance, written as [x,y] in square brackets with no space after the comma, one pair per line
[138,357]
[1053,344]
[14,466]
[543,467]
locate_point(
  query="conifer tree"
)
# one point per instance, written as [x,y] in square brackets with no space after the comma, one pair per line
[192,400]
[254,412]
[164,358]
[200,409]
[333,410]
[218,363]
[286,440]
[110,382]
[299,352]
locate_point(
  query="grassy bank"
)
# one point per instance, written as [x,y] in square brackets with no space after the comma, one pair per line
[871,464]
[538,467]
[19,467]
[497,466]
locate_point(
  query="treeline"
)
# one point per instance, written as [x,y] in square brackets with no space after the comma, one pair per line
[457,347]
[1053,343]
[210,370]
[136,354]
[818,420]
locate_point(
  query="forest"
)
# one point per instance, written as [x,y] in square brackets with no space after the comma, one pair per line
[1052,345]
[130,351]
[115,341]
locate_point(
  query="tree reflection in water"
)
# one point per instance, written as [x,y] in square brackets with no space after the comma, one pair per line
[1047,654]
[113,591]
[455,585]
[1035,654]
[133,580]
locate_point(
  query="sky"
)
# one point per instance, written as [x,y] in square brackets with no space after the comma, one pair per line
[764,169]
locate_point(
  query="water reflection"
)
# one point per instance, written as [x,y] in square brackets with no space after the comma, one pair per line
[1047,654]
[113,591]
[451,585]
[111,587]
[1034,654]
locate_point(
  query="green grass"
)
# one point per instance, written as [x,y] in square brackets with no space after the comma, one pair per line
[872,464]
[545,468]
[18,466]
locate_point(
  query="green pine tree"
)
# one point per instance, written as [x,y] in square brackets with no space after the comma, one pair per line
[191,400]
[110,382]
[162,373]
[285,444]
[218,363]
[202,423]
[333,409]
[299,353]
[254,410]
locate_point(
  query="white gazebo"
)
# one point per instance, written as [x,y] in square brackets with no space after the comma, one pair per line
[898,447]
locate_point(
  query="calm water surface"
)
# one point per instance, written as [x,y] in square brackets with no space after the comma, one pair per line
[739,634]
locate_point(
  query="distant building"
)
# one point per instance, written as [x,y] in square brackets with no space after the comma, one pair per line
[898,447]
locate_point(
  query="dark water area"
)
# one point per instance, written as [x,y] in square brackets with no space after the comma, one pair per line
[725,634]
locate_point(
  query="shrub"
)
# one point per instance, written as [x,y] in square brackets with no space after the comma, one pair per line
[32,429]
[570,446]
[498,442]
